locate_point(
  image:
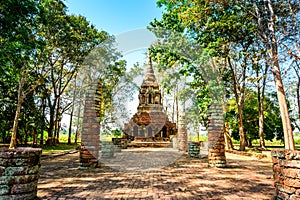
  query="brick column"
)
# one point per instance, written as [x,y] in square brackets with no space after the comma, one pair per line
[90,140]
[182,134]
[286,173]
[19,172]
[216,148]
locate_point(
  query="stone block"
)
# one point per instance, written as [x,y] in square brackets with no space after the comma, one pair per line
[283,195]
[295,197]
[286,189]
[4,189]
[286,173]
[291,172]
[19,173]
[291,182]
[20,170]
[23,188]
[10,180]
[278,153]
[24,196]
[295,155]
[290,163]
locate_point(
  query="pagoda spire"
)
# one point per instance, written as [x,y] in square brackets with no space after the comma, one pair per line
[149,79]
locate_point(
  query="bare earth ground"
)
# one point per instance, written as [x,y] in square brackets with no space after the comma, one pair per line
[244,178]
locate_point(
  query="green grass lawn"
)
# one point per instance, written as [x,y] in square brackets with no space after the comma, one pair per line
[270,144]
[59,148]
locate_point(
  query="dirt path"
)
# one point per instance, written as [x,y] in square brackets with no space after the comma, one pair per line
[244,178]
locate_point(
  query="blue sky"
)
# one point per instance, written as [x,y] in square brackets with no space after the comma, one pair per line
[116,16]
[127,20]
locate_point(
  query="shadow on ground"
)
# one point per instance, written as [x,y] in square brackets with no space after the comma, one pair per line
[244,178]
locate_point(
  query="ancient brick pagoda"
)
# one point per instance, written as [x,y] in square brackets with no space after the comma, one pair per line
[150,123]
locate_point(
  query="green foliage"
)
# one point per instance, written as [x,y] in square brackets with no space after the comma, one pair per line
[181,59]
[19,45]
[63,138]
[45,45]
[272,123]
[113,133]
[236,34]
[195,138]
[104,68]
[116,133]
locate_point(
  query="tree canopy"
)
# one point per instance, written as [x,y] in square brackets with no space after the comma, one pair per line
[42,50]
[235,38]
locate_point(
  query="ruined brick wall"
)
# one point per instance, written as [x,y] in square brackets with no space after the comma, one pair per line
[286,173]
[19,173]
[216,148]
[90,139]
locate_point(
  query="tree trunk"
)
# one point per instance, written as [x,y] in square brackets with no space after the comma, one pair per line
[250,143]
[17,114]
[273,52]
[228,141]
[15,127]
[70,125]
[261,128]
[77,126]
[44,114]
[268,37]
[177,105]
[56,124]
[51,126]
[58,131]
[173,106]
[243,142]
[298,92]
[239,92]
[287,127]
[78,120]
[34,136]
[72,111]
[298,101]
[26,136]
[260,101]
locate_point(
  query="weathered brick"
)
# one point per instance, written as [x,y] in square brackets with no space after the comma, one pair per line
[286,172]
[290,163]
[292,182]
[23,196]
[4,189]
[10,180]
[278,153]
[286,189]
[24,188]
[20,170]
[275,160]
[20,174]
[216,156]
[283,195]
[291,172]
[295,197]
